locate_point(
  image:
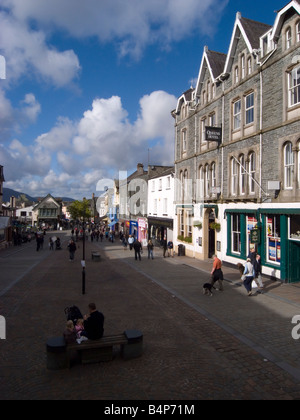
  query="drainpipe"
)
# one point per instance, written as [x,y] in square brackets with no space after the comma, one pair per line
[260,132]
[261,63]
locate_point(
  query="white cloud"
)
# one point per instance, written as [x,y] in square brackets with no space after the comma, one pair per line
[11,119]
[132,25]
[101,143]
[27,53]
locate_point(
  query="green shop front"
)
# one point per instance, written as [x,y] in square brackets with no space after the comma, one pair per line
[275,235]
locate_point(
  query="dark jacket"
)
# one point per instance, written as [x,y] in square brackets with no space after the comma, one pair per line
[93,326]
[137,246]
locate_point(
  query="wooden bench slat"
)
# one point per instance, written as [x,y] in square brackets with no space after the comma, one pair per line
[103,342]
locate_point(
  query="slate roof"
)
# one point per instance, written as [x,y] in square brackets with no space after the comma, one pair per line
[217,61]
[254,30]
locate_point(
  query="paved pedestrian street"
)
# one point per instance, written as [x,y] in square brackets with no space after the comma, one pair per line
[229,346]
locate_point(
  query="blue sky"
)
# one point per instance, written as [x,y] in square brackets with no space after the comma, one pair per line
[90,86]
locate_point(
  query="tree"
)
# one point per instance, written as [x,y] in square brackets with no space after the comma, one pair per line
[80,210]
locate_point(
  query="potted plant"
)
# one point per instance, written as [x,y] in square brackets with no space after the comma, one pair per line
[198,224]
[215,226]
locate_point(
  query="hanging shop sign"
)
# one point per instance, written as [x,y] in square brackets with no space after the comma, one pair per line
[213,134]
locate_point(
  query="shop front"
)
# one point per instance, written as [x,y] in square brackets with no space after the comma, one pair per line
[160,228]
[275,235]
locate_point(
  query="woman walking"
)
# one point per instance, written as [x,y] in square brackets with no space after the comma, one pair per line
[150,247]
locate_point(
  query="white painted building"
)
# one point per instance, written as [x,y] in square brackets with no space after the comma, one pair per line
[161,190]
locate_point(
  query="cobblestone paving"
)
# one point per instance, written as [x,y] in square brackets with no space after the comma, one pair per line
[186,355]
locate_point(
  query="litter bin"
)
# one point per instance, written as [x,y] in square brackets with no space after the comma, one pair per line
[134,348]
[181,250]
[56,353]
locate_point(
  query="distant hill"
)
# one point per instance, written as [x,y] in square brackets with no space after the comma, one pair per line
[8,192]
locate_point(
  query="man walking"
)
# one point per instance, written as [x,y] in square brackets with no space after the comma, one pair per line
[72,249]
[217,273]
[137,249]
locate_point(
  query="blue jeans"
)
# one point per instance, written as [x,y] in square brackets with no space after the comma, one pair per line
[150,253]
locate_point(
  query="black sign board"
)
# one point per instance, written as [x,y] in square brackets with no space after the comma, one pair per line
[213,134]
[255,236]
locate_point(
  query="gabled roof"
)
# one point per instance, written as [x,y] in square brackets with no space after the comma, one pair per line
[214,62]
[281,15]
[251,32]
[47,202]
[184,98]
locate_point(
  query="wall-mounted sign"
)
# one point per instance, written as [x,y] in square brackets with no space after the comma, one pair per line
[213,134]
[255,236]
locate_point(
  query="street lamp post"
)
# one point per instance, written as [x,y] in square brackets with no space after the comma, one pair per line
[83,260]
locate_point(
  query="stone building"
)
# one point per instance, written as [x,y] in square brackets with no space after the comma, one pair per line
[237,151]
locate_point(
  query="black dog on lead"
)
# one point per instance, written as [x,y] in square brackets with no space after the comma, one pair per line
[207,289]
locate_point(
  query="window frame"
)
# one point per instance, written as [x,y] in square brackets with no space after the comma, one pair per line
[294,86]
[249,109]
[289,162]
[237,115]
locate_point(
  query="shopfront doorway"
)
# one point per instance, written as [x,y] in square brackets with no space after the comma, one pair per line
[294,258]
[211,235]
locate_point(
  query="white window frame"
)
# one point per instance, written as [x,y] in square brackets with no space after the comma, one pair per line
[243,61]
[236,234]
[201,182]
[236,75]
[249,66]
[288,156]
[184,140]
[298,32]
[294,86]
[288,38]
[249,108]
[242,176]
[213,175]
[237,114]
[252,170]
[234,176]
[207,180]
[203,123]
